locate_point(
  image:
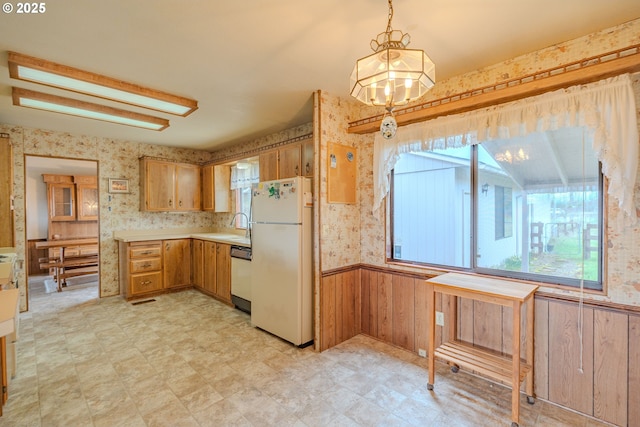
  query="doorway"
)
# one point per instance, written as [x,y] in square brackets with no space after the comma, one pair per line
[62,224]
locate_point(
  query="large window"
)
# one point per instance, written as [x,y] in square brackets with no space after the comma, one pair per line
[528,207]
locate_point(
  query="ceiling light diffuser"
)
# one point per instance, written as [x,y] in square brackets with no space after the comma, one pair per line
[73,107]
[28,68]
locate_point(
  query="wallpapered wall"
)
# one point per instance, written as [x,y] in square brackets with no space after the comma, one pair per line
[345,222]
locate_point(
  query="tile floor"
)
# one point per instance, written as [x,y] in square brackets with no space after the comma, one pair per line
[188,360]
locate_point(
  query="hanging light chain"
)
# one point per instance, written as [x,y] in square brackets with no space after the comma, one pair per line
[389,29]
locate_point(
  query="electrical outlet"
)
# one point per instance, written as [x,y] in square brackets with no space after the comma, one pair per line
[422,352]
[439,318]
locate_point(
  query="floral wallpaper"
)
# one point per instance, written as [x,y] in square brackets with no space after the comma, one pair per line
[344,227]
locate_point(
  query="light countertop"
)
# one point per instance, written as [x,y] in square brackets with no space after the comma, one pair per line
[8,311]
[201,234]
[7,258]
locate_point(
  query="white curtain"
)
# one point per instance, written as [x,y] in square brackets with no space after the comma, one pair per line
[606,109]
[243,178]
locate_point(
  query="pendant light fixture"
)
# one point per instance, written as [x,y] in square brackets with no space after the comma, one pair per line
[393,75]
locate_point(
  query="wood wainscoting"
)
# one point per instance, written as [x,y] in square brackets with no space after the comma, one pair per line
[599,377]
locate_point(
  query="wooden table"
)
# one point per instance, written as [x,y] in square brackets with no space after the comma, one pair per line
[509,369]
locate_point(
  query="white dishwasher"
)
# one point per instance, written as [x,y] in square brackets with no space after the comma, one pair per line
[241,278]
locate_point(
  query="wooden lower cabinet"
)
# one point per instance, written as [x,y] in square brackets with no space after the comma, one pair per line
[140,268]
[177,263]
[223,272]
[197,263]
[212,269]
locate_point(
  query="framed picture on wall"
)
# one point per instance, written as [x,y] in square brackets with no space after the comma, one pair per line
[118,185]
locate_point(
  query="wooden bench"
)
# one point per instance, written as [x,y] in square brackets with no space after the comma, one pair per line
[70,267]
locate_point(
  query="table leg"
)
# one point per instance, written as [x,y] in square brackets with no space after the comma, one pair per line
[431,319]
[515,379]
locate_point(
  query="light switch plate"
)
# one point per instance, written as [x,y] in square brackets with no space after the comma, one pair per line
[439,318]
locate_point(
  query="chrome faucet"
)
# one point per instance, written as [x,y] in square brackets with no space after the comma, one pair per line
[248,233]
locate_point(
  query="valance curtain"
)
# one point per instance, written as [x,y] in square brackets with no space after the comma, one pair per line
[243,178]
[606,109]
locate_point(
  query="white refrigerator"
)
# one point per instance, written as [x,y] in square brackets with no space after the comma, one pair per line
[281,266]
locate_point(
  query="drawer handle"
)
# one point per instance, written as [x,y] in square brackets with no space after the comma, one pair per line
[145,253]
[146,282]
[146,265]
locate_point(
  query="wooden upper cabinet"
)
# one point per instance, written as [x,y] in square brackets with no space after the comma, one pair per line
[187,187]
[6,192]
[158,185]
[208,188]
[87,197]
[306,162]
[289,161]
[62,202]
[268,165]
[216,188]
[222,188]
[168,186]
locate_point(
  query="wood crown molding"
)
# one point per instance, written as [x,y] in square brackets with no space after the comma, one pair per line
[626,60]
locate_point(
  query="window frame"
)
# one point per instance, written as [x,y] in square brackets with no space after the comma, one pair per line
[597,287]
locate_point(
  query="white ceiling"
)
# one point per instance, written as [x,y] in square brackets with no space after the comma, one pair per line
[253,64]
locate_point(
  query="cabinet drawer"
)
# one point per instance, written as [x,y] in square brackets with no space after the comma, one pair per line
[144,265]
[141,283]
[145,251]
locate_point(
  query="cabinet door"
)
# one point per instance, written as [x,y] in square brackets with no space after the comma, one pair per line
[208,188]
[6,192]
[223,271]
[197,263]
[62,202]
[87,202]
[289,162]
[209,259]
[307,158]
[177,263]
[158,186]
[268,165]
[222,192]
[187,187]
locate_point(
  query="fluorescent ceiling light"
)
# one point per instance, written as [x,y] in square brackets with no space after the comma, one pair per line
[73,107]
[28,68]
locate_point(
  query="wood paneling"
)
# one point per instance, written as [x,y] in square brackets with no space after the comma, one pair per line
[346,284]
[328,313]
[541,345]
[610,336]
[568,385]
[634,372]
[338,299]
[465,319]
[487,330]
[421,328]
[385,307]
[403,301]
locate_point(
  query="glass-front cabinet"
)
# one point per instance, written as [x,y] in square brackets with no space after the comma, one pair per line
[62,202]
[87,202]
